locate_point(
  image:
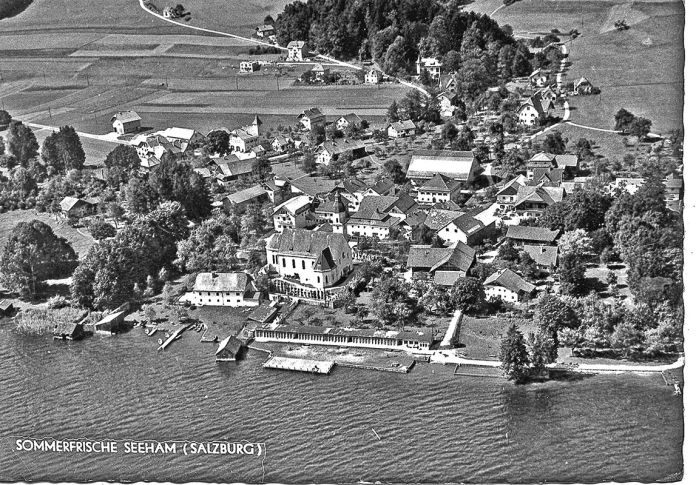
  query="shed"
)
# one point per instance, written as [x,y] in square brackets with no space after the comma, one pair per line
[6,308]
[228,350]
[68,331]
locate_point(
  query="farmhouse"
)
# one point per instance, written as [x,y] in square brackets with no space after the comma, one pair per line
[294,213]
[346,337]
[400,129]
[582,86]
[308,265]
[76,207]
[331,150]
[126,122]
[297,51]
[438,189]
[240,199]
[249,66]
[230,170]
[533,201]
[507,195]
[228,350]
[377,215]
[346,120]
[531,236]
[546,178]
[319,72]
[312,119]
[265,31]
[373,76]
[444,266]
[430,64]
[247,137]
[458,165]
[383,186]
[538,78]
[543,255]
[447,101]
[281,143]
[531,111]
[225,289]
[456,226]
[506,285]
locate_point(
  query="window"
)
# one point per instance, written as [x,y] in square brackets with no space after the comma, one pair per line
[283,262]
[293,263]
[303,264]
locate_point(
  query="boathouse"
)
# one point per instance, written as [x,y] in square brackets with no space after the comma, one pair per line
[228,350]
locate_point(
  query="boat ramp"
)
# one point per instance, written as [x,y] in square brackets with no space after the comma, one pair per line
[302,365]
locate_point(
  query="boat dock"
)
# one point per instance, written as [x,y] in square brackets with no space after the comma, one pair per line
[173,337]
[301,365]
[472,370]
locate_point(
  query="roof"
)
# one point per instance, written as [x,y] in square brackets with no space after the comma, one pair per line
[458,255]
[447,278]
[540,194]
[221,282]
[295,205]
[5,305]
[318,68]
[542,255]
[372,204]
[351,118]
[543,176]
[425,336]
[263,313]
[333,204]
[458,165]
[313,186]
[543,157]
[340,145]
[567,160]
[533,101]
[203,172]
[126,116]
[310,113]
[265,28]
[298,44]
[323,246]
[66,328]
[69,202]
[234,169]
[402,125]
[383,186]
[510,280]
[247,194]
[353,185]
[510,188]
[179,133]
[447,205]
[581,81]
[531,233]
[439,182]
[231,344]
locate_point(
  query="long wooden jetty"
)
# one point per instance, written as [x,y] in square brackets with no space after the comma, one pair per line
[173,337]
[301,365]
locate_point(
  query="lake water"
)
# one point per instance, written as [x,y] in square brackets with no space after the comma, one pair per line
[434,427]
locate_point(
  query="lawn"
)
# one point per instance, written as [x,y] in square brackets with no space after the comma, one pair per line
[79,239]
[481,337]
[234,17]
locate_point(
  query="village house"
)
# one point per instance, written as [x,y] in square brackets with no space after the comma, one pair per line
[333,211]
[319,72]
[331,150]
[521,236]
[346,337]
[507,195]
[281,143]
[546,178]
[448,82]
[430,64]
[181,137]
[377,215]
[295,213]
[531,111]
[382,186]
[674,192]
[225,289]
[297,51]
[400,129]
[582,86]
[456,226]
[373,76]
[265,31]
[308,265]
[241,199]
[533,201]
[458,165]
[547,94]
[541,160]
[74,207]
[442,266]
[312,119]
[567,162]
[346,120]
[538,78]
[447,101]
[249,66]
[352,190]
[438,189]
[244,139]
[228,350]
[543,255]
[507,285]
[126,122]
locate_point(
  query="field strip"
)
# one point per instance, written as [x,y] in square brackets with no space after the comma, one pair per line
[254,41]
[255,110]
[110,137]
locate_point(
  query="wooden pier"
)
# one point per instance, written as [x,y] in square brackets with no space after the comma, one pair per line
[173,337]
[300,365]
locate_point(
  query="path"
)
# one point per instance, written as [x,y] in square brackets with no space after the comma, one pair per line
[496,11]
[109,137]
[593,128]
[452,330]
[259,42]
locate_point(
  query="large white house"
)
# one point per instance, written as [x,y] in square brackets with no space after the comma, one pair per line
[225,289]
[461,166]
[294,213]
[247,137]
[506,285]
[308,265]
[297,50]
[126,122]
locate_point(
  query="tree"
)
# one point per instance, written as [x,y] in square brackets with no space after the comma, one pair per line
[63,150]
[124,157]
[508,252]
[553,314]
[395,57]
[21,142]
[627,338]
[394,171]
[260,170]
[513,355]
[554,143]
[391,302]
[468,295]
[33,254]
[393,112]
[5,118]
[623,119]
[212,246]
[219,142]
[543,350]
[309,162]
[472,80]
[100,229]
[640,127]
[571,274]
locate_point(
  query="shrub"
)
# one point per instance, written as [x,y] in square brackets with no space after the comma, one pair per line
[56,302]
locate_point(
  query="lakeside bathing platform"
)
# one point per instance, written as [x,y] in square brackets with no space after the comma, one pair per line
[302,365]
